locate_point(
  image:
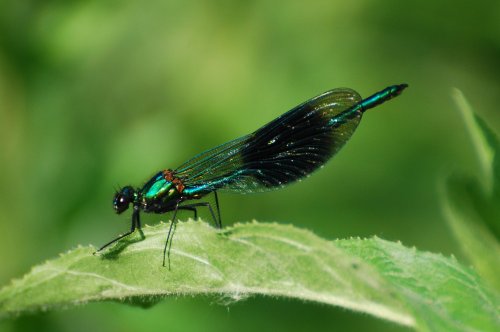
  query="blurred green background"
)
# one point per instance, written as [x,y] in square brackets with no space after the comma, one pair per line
[96,94]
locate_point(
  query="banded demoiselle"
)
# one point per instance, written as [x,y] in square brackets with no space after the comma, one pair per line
[279,153]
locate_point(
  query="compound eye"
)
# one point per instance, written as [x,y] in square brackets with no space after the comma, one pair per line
[122,199]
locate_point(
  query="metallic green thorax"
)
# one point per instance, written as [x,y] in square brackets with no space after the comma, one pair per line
[156,188]
[157,193]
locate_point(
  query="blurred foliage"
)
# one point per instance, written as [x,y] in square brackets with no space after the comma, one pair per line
[472,204]
[99,93]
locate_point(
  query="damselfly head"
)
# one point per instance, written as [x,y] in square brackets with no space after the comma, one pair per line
[123,198]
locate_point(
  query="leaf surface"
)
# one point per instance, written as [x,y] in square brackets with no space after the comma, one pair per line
[374,276]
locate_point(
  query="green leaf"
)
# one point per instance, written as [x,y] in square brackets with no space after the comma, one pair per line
[373,276]
[472,207]
[462,211]
[484,140]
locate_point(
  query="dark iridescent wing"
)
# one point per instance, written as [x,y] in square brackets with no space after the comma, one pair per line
[284,150]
